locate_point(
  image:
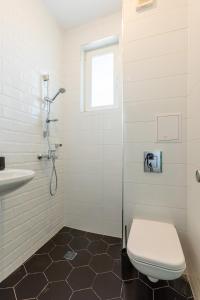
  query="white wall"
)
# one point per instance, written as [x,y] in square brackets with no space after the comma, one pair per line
[93,140]
[155,81]
[30,44]
[193,205]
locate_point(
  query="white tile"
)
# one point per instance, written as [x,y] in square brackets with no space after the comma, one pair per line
[25,222]
[156,24]
[130,12]
[193,204]
[93,171]
[140,132]
[173,174]
[148,110]
[155,82]
[155,195]
[159,45]
[161,66]
[156,89]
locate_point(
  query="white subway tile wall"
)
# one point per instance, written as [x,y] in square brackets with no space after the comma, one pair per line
[30,45]
[193,157]
[93,141]
[155,82]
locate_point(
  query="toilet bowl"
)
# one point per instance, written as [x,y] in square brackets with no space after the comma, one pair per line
[154,250]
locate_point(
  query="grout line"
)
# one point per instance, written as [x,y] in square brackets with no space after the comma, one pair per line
[127,62]
[155,78]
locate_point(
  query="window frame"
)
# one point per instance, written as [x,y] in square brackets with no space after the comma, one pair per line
[100,47]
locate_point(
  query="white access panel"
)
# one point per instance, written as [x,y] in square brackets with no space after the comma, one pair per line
[169,128]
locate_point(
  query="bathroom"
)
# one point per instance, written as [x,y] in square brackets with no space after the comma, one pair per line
[99,183]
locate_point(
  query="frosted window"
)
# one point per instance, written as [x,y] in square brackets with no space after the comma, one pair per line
[102,85]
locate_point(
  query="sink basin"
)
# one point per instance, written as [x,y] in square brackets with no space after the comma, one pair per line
[12,179]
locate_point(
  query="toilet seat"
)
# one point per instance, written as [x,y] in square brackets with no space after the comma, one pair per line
[155,246]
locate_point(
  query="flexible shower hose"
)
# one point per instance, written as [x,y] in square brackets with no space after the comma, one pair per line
[53,175]
[52,190]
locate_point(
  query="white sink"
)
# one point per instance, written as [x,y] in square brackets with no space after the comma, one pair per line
[12,179]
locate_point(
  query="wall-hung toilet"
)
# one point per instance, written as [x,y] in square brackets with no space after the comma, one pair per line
[155,250]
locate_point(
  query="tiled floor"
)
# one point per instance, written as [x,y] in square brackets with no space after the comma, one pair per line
[94,274]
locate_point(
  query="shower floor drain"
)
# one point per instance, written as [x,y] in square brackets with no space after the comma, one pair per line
[70,255]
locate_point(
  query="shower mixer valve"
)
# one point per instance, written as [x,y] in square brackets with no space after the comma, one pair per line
[47,156]
[51,153]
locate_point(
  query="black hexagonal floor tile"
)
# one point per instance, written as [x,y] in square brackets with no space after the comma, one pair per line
[98,247]
[153,285]
[182,286]
[58,271]
[101,263]
[84,295]
[111,240]
[62,238]
[167,293]
[95,273]
[58,253]
[79,243]
[56,291]
[130,273]
[136,290]
[48,247]
[93,236]
[14,278]
[82,259]
[115,251]
[107,286]
[37,263]
[30,286]
[81,278]
[76,232]
[7,294]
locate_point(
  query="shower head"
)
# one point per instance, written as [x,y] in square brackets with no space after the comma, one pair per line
[60,91]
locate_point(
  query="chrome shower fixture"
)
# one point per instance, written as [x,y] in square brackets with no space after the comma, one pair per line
[45,77]
[48,99]
[51,100]
[60,91]
[51,120]
[52,150]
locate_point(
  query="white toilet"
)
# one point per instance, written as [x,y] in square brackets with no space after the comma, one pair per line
[154,249]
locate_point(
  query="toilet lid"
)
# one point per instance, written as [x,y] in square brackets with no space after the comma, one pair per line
[155,243]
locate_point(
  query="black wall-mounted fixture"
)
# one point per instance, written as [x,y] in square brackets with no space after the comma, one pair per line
[2,163]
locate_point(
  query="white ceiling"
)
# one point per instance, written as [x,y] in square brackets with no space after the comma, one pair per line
[71,13]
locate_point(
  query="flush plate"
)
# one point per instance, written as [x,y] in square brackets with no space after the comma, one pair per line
[153,162]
